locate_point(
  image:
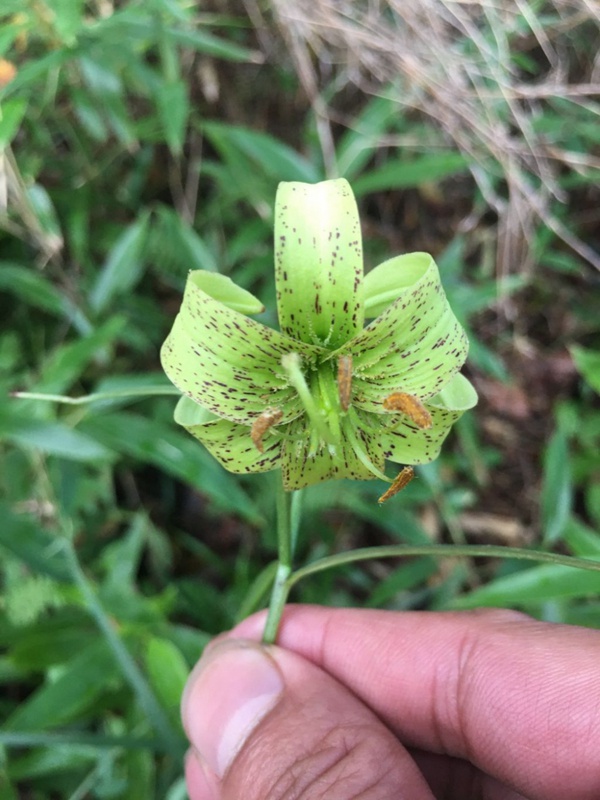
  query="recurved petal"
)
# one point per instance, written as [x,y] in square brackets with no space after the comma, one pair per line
[384,283]
[415,346]
[408,444]
[318,262]
[299,468]
[227,362]
[229,442]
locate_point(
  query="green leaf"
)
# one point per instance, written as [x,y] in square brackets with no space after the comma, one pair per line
[36,290]
[581,539]
[66,364]
[404,174]
[130,23]
[43,208]
[177,454]
[175,247]
[173,108]
[357,144]
[89,114]
[274,158]
[536,585]
[123,267]
[99,77]
[205,42]
[11,114]
[34,70]
[53,439]
[23,536]
[318,262]
[557,489]
[588,365]
[82,681]
[401,579]
[167,672]
[66,18]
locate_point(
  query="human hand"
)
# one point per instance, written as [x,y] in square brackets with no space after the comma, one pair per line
[375,705]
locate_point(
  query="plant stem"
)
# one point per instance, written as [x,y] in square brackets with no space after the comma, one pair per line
[439,551]
[117,394]
[280,590]
[295,515]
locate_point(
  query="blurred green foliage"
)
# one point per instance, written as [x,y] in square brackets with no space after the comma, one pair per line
[124,546]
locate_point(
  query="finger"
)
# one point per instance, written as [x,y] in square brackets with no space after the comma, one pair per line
[455,778]
[270,725]
[201,781]
[518,698]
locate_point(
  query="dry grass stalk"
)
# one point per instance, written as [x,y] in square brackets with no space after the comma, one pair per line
[453,60]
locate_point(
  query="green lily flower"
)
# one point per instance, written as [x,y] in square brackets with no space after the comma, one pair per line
[326,397]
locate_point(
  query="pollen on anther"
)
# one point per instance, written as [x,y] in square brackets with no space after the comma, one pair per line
[264,421]
[401,480]
[411,406]
[344,381]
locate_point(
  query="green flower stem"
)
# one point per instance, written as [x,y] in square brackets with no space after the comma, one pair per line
[169,737]
[439,551]
[280,590]
[295,515]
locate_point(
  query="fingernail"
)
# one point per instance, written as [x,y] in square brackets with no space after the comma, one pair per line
[227,695]
[202,783]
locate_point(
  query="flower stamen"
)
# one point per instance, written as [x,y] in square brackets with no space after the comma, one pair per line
[411,406]
[344,381]
[264,421]
[401,480]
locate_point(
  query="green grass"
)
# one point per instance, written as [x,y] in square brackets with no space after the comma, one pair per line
[150,141]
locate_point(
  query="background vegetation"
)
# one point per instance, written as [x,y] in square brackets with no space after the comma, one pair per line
[142,138]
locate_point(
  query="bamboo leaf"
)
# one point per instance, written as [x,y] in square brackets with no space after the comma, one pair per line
[535,585]
[23,537]
[588,365]
[11,114]
[123,267]
[557,490]
[173,108]
[405,174]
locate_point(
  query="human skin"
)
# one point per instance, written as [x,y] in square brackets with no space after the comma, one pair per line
[486,705]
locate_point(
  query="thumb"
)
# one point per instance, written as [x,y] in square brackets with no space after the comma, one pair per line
[265,724]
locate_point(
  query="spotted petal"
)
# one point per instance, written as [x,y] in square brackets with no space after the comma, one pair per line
[416,345]
[318,262]
[302,468]
[226,362]
[408,444]
[227,441]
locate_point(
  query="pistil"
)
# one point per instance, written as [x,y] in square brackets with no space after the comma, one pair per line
[292,364]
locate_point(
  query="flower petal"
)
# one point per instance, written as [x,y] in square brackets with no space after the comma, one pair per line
[415,346]
[318,262]
[227,441]
[223,289]
[408,444]
[227,362]
[384,283]
[300,468]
